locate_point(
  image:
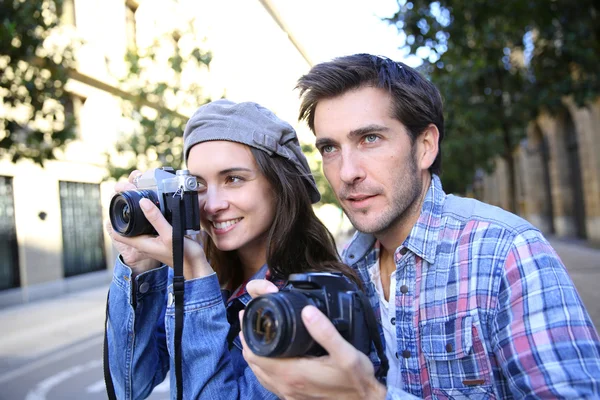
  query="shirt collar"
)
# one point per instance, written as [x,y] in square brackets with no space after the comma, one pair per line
[242,294]
[423,237]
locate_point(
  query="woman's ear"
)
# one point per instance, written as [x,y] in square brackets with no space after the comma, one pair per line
[428,149]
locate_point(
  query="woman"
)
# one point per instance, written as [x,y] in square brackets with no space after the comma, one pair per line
[255,191]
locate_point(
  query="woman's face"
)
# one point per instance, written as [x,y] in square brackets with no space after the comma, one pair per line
[237,203]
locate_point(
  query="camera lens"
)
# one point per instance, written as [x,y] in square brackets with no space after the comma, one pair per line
[127,217]
[125,214]
[273,326]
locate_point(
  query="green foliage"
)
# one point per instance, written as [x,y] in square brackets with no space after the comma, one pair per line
[34,119]
[497,65]
[160,103]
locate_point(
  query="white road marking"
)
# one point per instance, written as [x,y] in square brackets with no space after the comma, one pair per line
[27,368]
[41,389]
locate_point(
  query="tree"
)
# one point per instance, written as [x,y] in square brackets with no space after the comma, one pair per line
[499,64]
[162,81]
[34,119]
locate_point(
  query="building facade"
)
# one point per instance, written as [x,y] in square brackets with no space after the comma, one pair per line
[558,174]
[52,237]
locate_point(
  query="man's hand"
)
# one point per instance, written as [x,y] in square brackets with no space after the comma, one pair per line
[345,373]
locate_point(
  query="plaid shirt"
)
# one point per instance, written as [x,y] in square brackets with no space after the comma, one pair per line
[484,307]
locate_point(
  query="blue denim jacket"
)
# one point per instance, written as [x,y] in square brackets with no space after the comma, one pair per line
[484,307]
[141,328]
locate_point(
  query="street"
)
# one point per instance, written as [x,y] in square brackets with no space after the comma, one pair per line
[53,349]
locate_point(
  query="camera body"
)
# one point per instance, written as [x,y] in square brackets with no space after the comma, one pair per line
[162,186]
[273,326]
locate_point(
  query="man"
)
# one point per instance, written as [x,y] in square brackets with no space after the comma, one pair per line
[473,301]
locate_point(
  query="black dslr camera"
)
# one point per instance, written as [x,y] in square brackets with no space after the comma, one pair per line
[160,185]
[273,327]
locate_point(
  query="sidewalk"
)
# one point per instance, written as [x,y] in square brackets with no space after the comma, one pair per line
[583,263]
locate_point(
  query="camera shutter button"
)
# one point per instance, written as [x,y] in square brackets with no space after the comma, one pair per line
[144,287]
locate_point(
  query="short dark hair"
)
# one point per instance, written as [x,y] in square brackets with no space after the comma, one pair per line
[416,101]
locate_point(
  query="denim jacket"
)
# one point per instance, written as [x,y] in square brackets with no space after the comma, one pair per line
[484,307]
[141,325]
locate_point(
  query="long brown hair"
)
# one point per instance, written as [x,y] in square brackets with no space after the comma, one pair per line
[297,240]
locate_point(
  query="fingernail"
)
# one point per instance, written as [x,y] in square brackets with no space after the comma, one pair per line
[145,204]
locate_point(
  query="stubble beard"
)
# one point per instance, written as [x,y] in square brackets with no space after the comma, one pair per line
[405,196]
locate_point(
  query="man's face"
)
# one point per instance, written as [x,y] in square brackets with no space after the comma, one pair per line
[367,158]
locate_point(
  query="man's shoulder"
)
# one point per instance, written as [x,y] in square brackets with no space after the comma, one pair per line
[465,210]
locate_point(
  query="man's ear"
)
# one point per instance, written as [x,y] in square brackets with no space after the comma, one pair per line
[428,148]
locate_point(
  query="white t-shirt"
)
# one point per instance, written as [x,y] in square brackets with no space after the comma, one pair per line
[388,311]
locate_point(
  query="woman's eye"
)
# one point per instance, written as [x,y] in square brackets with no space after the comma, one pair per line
[234,179]
[201,187]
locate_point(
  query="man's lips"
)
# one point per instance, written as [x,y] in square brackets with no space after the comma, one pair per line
[359,200]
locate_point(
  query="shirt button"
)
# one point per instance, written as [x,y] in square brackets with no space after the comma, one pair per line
[144,287]
[404,289]
[406,354]
[449,348]
[170,299]
[403,251]
[397,355]
[393,320]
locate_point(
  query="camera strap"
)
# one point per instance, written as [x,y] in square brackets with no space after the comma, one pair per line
[178,223]
[175,204]
[381,373]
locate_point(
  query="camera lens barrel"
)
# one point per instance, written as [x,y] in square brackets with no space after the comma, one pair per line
[273,326]
[126,216]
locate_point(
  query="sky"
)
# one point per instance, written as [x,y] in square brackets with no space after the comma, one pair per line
[331,28]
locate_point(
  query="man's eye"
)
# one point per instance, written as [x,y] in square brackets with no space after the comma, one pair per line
[370,138]
[326,149]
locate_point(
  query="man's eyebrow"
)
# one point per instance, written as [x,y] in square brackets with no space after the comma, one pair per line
[365,130]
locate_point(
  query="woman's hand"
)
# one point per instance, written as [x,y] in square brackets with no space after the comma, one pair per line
[145,252]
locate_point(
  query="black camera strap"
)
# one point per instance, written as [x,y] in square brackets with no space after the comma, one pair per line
[381,373]
[178,282]
[178,289]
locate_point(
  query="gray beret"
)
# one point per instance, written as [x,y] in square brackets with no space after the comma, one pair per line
[251,124]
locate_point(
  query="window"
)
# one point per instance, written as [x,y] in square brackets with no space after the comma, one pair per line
[9,248]
[82,230]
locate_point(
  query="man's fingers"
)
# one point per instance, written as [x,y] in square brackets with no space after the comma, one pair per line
[155,217]
[259,287]
[323,332]
[123,186]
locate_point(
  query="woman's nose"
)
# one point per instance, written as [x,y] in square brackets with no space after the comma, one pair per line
[214,202]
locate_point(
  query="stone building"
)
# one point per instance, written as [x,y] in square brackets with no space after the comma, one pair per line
[558,174]
[52,237]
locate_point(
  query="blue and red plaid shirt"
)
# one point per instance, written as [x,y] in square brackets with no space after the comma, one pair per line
[484,307]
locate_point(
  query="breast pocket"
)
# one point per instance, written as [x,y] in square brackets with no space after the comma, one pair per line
[457,361]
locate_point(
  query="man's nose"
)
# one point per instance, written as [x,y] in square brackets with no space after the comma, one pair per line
[351,170]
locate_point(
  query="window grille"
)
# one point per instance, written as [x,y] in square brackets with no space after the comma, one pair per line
[9,248]
[82,230]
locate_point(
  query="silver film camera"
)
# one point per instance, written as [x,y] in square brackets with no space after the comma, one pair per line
[158,185]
